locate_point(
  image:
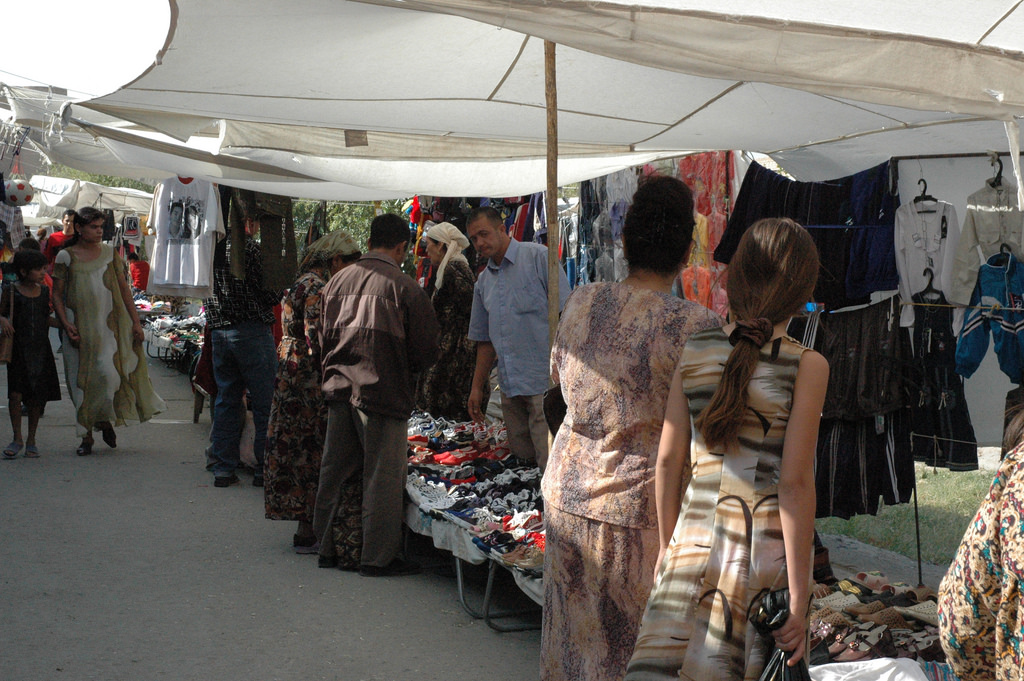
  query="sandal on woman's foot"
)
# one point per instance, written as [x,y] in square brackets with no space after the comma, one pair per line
[84,449]
[31,452]
[109,436]
[12,450]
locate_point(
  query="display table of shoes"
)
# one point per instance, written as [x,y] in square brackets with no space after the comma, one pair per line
[867,618]
[476,501]
[174,333]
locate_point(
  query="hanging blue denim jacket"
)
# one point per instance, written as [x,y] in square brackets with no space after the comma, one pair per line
[999,291]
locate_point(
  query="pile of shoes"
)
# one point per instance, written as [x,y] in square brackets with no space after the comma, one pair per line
[866,617]
[464,474]
[175,331]
[450,443]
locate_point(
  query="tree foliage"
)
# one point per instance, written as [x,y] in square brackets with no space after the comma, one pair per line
[354,218]
[58,170]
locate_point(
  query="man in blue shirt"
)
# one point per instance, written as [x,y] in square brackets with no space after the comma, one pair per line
[510,324]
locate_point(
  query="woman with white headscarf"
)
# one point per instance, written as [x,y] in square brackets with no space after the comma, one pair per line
[298,415]
[443,389]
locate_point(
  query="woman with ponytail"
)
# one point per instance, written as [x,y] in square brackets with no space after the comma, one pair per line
[746,523]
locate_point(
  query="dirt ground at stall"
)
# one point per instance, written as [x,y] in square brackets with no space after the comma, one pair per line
[129,564]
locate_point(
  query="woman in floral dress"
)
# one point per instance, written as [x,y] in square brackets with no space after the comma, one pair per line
[298,416]
[614,355]
[981,621]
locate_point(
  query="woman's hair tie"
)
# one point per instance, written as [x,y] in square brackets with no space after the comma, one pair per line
[757,332]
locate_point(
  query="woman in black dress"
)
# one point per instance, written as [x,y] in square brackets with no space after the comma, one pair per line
[32,372]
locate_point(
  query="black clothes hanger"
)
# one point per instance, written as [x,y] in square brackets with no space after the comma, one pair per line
[1001,258]
[924,196]
[997,181]
[929,293]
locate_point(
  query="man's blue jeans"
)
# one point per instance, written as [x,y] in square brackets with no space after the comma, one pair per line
[244,358]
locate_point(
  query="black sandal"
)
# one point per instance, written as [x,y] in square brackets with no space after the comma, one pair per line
[84,449]
[109,436]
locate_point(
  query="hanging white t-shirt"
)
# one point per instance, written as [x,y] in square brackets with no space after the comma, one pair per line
[188,223]
[927,234]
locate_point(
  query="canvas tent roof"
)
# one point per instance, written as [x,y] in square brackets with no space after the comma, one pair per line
[447,91]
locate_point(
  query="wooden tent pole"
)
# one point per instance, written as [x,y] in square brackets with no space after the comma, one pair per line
[551,197]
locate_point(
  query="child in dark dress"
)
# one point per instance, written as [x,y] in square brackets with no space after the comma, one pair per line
[32,372]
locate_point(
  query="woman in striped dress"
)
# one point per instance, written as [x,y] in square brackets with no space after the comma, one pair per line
[745,526]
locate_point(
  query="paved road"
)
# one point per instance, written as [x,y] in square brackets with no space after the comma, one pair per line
[129,564]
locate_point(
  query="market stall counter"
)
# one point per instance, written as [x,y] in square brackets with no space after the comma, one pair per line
[479,503]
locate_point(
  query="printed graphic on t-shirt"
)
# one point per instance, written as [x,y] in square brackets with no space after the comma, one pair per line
[131,226]
[186,218]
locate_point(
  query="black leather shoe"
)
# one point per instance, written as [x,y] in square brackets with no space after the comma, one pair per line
[327,561]
[257,480]
[109,436]
[225,480]
[396,568]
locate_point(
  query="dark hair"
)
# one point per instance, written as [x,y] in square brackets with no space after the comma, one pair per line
[133,256]
[29,243]
[659,225]
[387,231]
[25,261]
[69,211]
[484,212]
[771,276]
[82,218]
[1013,431]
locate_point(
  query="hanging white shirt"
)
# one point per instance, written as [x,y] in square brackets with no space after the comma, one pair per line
[927,236]
[188,223]
[993,219]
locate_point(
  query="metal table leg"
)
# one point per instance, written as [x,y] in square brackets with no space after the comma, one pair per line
[489,616]
[460,581]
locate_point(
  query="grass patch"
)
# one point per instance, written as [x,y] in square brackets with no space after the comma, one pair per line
[947,503]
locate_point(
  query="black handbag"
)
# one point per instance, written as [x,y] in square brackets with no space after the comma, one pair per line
[772,614]
[554,408]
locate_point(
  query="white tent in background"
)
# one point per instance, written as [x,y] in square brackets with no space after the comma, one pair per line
[54,195]
[57,194]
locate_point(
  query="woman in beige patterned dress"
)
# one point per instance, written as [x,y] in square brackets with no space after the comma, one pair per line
[746,524]
[614,354]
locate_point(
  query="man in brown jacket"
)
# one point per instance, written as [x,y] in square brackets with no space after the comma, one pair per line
[377,330]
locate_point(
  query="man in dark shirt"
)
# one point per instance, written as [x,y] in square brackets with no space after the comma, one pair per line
[377,331]
[240,315]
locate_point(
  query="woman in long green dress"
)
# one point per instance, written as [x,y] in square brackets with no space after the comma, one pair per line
[104,362]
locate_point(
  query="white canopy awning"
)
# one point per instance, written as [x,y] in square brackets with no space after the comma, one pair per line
[387,97]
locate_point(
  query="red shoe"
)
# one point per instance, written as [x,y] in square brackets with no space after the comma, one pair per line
[456,457]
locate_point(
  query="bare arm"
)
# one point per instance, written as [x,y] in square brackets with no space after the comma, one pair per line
[796,495]
[5,305]
[672,470]
[70,329]
[485,357]
[129,304]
